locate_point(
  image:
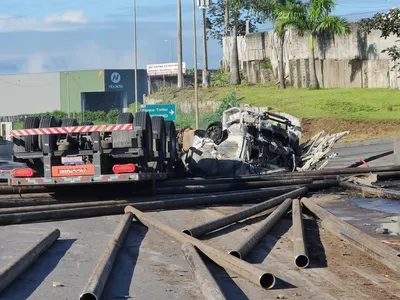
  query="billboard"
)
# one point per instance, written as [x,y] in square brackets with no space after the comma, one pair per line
[164,69]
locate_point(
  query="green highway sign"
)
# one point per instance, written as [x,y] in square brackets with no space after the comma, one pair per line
[168,111]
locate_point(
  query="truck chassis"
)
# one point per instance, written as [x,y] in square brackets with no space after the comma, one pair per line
[56,152]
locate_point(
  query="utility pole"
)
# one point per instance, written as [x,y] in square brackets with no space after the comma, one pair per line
[179,46]
[206,78]
[196,95]
[135,54]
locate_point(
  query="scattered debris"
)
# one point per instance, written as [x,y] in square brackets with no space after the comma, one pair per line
[57,284]
[249,142]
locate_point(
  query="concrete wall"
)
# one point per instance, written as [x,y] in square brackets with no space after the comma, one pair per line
[355,60]
[29,93]
[76,82]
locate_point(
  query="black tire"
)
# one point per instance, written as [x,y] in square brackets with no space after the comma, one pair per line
[214,132]
[67,122]
[47,122]
[59,123]
[31,141]
[87,123]
[143,120]
[158,124]
[171,140]
[125,118]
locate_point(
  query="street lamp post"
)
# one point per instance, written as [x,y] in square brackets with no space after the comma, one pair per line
[196,95]
[203,5]
[135,54]
[170,49]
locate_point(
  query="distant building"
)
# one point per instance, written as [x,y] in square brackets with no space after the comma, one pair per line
[71,91]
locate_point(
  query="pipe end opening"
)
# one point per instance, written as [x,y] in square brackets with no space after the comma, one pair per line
[235,254]
[88,296]
[302,261]
[267,280]
[187,231]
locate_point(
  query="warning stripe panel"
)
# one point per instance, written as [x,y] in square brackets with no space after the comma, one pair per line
[72,129]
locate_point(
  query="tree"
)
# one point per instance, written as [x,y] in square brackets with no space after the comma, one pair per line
[313,18]
[389,24]
[235,69]
[217,19]
[270,10]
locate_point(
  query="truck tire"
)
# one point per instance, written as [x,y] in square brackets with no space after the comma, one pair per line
[125,118]
[87,123]
[143,120]
[31,141]
[69,122]
[47,122]
[171,140]
[158,124]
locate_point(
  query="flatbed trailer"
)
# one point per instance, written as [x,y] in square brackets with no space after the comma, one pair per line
[55,152]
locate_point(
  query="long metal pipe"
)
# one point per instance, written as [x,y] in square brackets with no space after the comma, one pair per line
[202,229]
[183,182]
[88,212]
[95,286]
[378,192]
[378,251]
[371,158]
[251,241]
[16,267]
[232,186]
[301,259]
[336,171]
[6,190]
[207,283]
[242,268]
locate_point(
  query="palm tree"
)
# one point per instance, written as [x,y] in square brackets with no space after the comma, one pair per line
[312,18]
[270,10]
[235,70]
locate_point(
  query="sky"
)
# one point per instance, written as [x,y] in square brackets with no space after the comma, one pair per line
[59,35]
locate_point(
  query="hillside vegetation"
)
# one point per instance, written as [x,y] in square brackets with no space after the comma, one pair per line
[368,113]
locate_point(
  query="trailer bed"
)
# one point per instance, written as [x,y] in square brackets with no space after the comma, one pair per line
[135,177]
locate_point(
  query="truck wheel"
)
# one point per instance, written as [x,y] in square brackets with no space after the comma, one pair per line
[47,122]
[69,122]
[125,118]
[158,124]
[31,141]
[87,123]
[142,119]
[171,140]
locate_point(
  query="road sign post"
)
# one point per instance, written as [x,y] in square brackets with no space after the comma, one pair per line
[167,111]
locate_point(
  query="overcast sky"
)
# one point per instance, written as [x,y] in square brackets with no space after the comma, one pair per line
[59,35]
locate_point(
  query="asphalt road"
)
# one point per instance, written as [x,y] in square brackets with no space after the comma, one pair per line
[348,156]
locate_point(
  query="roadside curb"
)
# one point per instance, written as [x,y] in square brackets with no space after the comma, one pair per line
[365,143]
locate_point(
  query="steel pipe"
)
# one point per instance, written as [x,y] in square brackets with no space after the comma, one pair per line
[334,171]
[378,192]
[5,190]
[371,246]
[251,241]
[88,212]
[242,268]
[95,286]
[371,158]
[208,181]
[202,229]
[301,259]
[232,186]
[16,267]
[206,281]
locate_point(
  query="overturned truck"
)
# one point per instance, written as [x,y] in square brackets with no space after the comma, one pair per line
[251,142]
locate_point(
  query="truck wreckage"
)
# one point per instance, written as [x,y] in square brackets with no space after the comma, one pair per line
[249,142]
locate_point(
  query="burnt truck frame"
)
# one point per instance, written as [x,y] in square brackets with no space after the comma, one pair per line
[59,152]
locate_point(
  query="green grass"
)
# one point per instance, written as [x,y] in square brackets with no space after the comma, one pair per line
[339,103]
